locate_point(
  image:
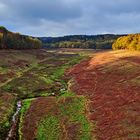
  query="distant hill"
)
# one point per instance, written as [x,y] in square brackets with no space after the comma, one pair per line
[130,42]
[80,41]
[10,40]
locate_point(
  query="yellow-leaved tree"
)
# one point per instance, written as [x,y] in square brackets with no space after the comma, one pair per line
[130,42]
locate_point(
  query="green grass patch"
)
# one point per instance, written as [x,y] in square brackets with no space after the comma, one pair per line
[49,129]
[64,94]
[58,72]
[74,108]
[47,80]
[75,60]
[7,87]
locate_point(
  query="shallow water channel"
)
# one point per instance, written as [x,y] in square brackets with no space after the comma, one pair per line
[14,121]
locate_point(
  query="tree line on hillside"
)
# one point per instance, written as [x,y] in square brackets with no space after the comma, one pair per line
[9,40]
[80,41]
[130,42]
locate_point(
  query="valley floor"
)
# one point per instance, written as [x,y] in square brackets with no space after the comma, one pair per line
[70,94]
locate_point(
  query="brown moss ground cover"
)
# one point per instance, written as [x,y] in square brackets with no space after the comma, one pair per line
[107,80]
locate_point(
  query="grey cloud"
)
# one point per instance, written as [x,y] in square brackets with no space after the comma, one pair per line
[55,10]
[61,17]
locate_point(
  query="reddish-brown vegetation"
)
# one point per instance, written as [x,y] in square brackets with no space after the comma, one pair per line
[64,109]
[113,99]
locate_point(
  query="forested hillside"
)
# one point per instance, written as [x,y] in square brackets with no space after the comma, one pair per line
[130,42]
[80,41]
[9,40]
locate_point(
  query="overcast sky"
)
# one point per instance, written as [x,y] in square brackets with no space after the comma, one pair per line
[65,17]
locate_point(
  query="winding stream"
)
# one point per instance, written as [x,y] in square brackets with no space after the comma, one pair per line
[14,121]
